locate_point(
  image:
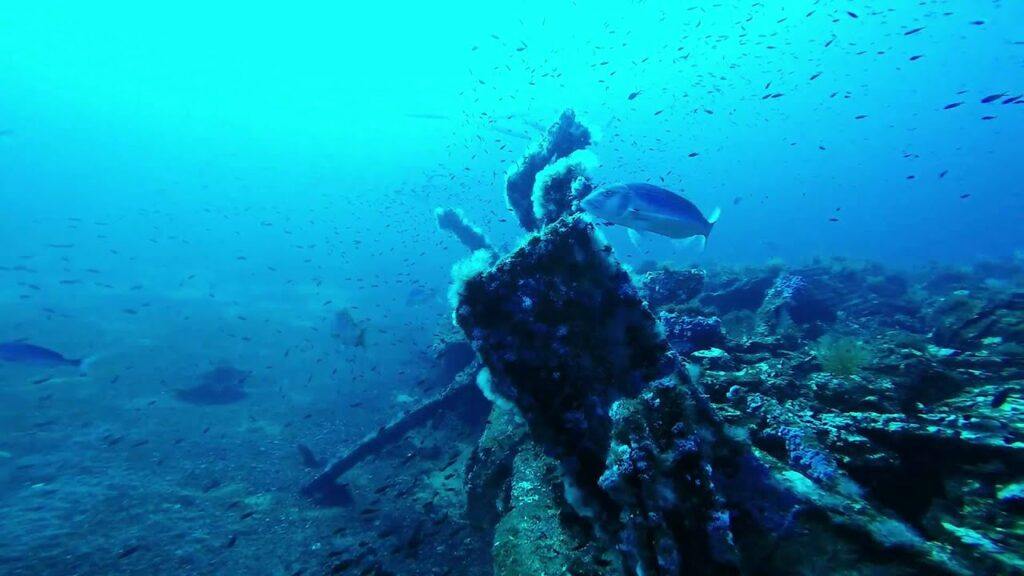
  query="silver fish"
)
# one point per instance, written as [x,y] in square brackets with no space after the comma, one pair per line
[647,208]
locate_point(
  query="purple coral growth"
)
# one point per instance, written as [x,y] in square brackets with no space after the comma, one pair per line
[690,333]
[785,287]
[810,461]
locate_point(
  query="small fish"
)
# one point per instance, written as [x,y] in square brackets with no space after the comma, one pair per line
[648,208]
[633,95]
[913,31]
[951,106]
[25,353]
[992,98]
[128,551]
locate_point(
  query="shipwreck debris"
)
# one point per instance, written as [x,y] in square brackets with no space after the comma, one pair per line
[461,395]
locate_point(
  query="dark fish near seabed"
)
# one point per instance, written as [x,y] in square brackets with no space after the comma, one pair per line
[221,385]
[25,353]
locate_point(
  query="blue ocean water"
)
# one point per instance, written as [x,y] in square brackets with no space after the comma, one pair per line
[197,185]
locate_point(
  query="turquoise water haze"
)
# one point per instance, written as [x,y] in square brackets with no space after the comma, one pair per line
[221,267]
[399,106]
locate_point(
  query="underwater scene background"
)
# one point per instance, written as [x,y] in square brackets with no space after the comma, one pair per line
[312,288]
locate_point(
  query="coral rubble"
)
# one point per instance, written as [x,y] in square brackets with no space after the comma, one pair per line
[821,385]
[793,455]
[836,417]
[571,344]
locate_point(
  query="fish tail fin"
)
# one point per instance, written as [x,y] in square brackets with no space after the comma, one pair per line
[715,215]
[85,364]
